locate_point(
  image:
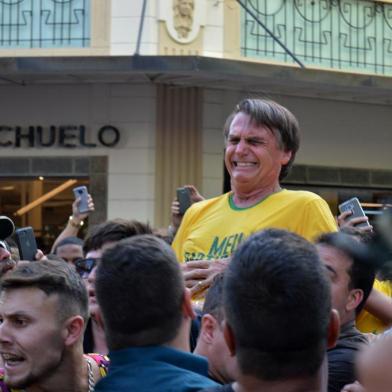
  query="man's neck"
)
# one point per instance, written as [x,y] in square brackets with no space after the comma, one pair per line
[347,320]
[70,376]
[181,340]
[246,198]
[99,338]
[317,383]
[213,372]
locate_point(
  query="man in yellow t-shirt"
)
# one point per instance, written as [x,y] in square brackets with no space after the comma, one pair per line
[262,138]
[214,228]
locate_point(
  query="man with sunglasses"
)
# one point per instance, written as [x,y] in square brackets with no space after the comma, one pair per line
[85,266]
[6,230]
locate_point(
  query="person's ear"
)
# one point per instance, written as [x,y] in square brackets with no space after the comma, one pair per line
[286,156]
[207,328]
[73,330]
[333,328]
[229,338]
[187,308]
[354,299]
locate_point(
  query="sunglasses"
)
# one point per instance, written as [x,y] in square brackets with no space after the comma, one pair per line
[85,266]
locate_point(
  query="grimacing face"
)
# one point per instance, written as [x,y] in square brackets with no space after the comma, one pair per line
[31,342]
[253,155]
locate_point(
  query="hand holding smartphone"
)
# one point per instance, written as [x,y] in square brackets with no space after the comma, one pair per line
[82,193]
[184,198]
[354,206]
[27,245]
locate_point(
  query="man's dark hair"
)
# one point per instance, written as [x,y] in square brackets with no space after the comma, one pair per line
[52,277]
[69,241]
[277,118]
[114,231]
[140,290]
[277,303]
[213,303]
[362,271]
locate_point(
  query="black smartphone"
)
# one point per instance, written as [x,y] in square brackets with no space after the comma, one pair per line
[355,207]
[27,245]
[184,198]
[82,192]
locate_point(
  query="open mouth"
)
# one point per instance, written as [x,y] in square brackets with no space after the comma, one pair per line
[243,164]
[11,360]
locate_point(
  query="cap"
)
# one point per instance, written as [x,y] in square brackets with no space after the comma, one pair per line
[7,227]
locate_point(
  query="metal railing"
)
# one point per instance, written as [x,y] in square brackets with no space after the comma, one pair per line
[44,23]
[349,35]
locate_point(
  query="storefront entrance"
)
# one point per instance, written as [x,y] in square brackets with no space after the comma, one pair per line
[28,179]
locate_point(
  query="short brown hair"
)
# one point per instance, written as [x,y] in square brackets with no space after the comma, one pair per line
[114,231]
[281,122]
[52,277]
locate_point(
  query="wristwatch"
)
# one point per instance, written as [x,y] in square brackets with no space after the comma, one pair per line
[72,221]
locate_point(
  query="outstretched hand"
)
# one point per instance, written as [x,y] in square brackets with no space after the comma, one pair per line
[78,216]
[176,217]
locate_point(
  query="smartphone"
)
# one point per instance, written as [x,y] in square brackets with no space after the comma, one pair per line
[27,245]
[82,192]
[355,207]
[184,198]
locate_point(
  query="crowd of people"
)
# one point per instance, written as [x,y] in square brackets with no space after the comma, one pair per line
[259,289]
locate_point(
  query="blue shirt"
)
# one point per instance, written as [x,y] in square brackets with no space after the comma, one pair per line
[155,368]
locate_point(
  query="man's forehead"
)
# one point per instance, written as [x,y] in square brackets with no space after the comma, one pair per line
[330,255]
[69,248]
[244,121]
[25,298]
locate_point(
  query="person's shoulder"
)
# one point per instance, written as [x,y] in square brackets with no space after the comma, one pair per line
[300,195]
[201,206]
[211,201]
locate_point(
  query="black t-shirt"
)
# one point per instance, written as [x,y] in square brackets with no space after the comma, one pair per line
[341,358]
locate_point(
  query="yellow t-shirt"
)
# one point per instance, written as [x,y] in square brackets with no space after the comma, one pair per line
[366,322]
[212,229]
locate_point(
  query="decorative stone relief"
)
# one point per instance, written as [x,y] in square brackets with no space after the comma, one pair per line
[183,18]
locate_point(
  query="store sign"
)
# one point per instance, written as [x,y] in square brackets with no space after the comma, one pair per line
[66,136]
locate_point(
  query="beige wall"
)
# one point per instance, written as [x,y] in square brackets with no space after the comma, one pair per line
[131,108]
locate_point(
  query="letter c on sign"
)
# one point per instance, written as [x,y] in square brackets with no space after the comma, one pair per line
[112,139]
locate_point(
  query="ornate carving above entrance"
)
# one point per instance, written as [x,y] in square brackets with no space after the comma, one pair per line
[183,18]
